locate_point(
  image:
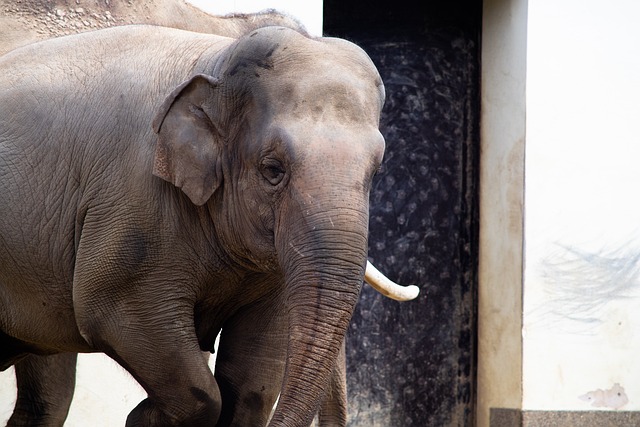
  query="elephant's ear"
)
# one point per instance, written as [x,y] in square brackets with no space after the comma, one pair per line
[188,149]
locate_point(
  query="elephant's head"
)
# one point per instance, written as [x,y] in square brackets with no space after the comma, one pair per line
[279,140]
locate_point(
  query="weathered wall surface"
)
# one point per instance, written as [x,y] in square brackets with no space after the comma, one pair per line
[582,239]
[412,363]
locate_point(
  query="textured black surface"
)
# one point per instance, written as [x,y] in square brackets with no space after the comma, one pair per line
[412,363]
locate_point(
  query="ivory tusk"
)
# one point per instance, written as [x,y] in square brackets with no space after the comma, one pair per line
[386,287]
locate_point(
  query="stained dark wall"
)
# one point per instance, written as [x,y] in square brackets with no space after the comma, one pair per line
[413,363]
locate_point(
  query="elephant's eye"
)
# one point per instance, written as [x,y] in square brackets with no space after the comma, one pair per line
[272,170]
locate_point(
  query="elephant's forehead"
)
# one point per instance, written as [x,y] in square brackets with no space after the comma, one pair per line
[312,78]
[328,68]
[273,46]
[323,94]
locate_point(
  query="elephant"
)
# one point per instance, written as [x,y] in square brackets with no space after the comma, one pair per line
[26,22]
[162,185]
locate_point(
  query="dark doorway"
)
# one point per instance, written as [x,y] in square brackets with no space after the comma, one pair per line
[413,363]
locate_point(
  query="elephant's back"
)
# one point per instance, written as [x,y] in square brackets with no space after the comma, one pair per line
[86,101]
[94,70]
[120,64]
[148,43]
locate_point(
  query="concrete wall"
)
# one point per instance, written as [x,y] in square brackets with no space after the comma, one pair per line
[582,241]
[502,136]
[559,274]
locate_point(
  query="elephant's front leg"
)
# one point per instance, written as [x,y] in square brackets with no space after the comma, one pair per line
[45,389]
[174,372]
[142,316]
[250,364]
[154,339]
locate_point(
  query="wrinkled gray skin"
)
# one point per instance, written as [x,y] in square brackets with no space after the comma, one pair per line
[30,21]
[255,220]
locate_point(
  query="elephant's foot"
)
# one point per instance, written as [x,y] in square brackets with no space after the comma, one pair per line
[205,412]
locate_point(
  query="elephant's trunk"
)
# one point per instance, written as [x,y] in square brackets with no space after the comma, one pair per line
[324,268]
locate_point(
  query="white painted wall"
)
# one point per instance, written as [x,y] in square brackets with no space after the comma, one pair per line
[106,393]
[582,279]
[576,335]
